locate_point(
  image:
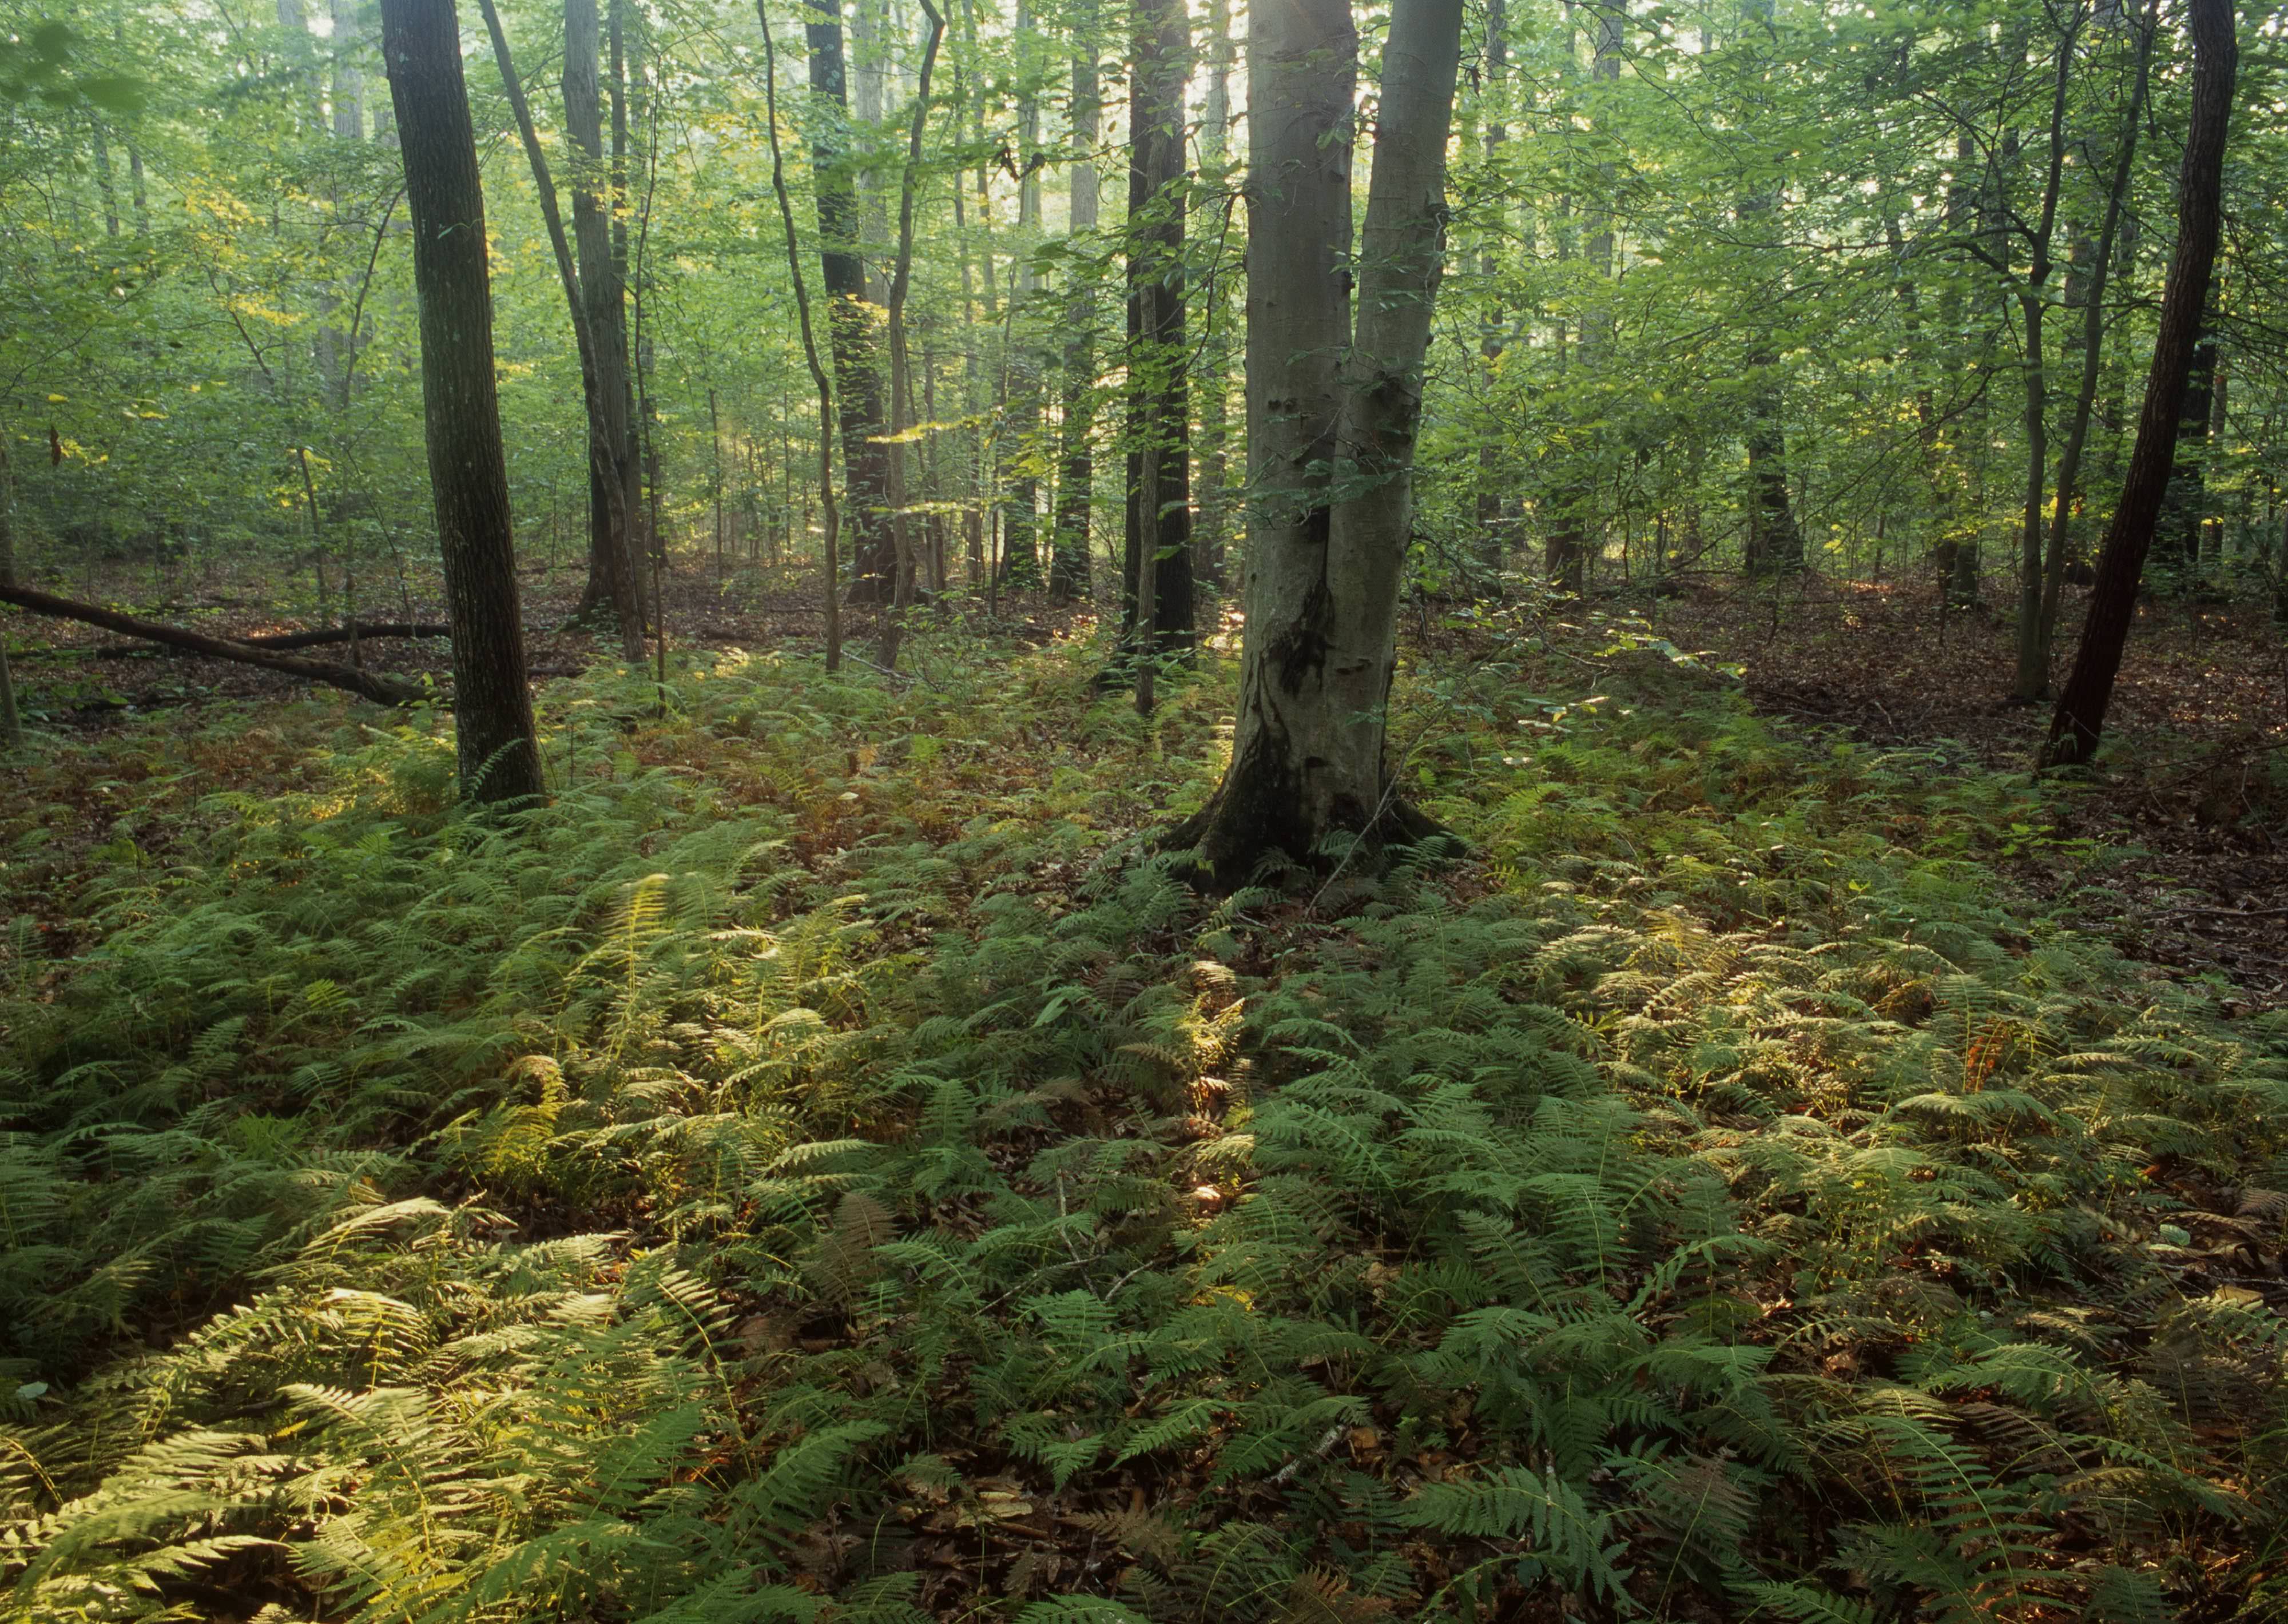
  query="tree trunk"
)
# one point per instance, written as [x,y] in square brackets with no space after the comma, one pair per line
[849,319]
[2092,340]
[1069,565]
[2080,719]
[1492,541]
[1212,527]
[901,280]
[498,751]
[1157,558]
[828,505]
[2033,674]
[612,564]
[627,608]
[1329,542]
[12,726]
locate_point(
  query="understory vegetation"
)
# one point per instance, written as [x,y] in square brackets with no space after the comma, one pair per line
[824,1165]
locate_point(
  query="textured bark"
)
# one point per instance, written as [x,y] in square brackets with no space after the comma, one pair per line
[1156,557]
[2079,721]
[1069,565]
[366,685]
[1330,438]
[612,568]
[849,318]
[499,754]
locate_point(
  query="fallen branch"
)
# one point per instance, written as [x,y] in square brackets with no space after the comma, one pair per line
[366,630]
[367,685]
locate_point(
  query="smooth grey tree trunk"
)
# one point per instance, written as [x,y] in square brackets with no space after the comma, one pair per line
[1332,417]
[498,751]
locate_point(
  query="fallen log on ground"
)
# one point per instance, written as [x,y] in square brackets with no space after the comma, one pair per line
[367,685]
[366,630]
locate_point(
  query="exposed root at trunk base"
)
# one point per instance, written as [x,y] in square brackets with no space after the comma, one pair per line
[1234,841]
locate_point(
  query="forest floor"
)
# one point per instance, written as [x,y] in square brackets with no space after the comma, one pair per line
[822,1165]
[2195,780]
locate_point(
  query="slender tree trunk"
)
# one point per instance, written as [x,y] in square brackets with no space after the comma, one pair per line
[1328,542]
[1212,528]
[626,603]
[828,505]
[2092,340]
[901,280]
[2033,674]
[12,726]
[1158,556]
[1069,564]
[2080,722]
[499,751]
[849,318]
[1492,538]
[612,564]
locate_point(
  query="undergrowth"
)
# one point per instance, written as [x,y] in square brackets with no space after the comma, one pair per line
[822,1165]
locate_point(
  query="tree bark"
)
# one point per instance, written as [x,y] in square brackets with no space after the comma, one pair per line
[849,317]
[2080,722]
[498,747]
[1332,417]
[1157,558]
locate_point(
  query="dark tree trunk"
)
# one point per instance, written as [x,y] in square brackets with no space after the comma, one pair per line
[849,320]
[1157,557]
[498,752]
[2080,719]
[2185,507]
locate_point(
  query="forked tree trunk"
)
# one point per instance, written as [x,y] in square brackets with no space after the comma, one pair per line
[2080,719]
[1328,541]
[498,752]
